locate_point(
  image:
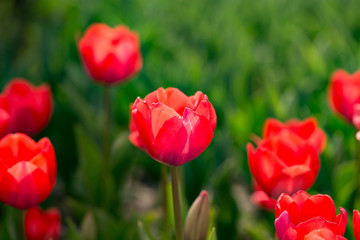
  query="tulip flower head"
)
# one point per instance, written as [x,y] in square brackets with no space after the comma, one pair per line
[110,55]
[197,219]
[302,216]
[344,93]
[306,129]
[27,170]
[172,127]
[283,163]
[42,225]
[356,224]
[25,108]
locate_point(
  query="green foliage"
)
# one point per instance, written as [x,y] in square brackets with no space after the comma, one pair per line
[254,59]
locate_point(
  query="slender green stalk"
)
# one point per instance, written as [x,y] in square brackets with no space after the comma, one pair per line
[165,206]
[21,219]
[106,127]
[176,202]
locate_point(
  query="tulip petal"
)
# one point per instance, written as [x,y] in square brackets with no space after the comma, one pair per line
[356,224]
[171,141]
[341,220]
[287,203]
[306,227]
[199,132]
[318,205]
[175,99]
[205,109]
[284,228]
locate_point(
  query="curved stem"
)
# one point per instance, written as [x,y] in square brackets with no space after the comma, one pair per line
[164,172]
[106,126]
[176,203]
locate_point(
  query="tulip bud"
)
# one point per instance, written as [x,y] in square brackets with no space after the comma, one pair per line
[197,219]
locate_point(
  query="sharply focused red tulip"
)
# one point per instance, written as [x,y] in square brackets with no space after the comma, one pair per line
[283,163]
[27,170]
[356,224]
[344,93]
[26,108]
[172,127]
[42,225]
[307,129]
[110,55]
[299,215]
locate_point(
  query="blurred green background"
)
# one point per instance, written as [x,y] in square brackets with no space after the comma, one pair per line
[254,59]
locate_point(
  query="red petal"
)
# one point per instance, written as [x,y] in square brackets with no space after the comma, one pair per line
[171,141]
[271,127]
[318,205]
[306,227]
[356,224]
[287,203]
[341,220]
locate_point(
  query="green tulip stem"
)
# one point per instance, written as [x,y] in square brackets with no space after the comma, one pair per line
[164,174]
[176,202]
[357,191]
[106,127]
[21,220]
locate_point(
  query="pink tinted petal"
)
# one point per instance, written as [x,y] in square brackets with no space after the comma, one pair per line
[199,131]
[175,99]
[323,234]
[356,224]
[171,141]
[160,113]
[284,228]
[318,205]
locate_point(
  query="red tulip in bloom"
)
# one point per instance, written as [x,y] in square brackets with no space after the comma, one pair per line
[306,129]
[356,224]
[172,127]
[42,225]
[27,170]
[25,108]
[283,163]
[302,216]
[344,93]
[111,55]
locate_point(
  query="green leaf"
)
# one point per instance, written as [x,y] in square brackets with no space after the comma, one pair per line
[72,233]
[90,166]
[212,235]
[345,182]
[142,233]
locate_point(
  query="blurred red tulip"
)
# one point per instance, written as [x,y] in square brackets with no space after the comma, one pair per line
[172,127]
[307,130]
[110,55]
[344,93]
[26,108]
[356,224]
[283,163]
[27,170]
[297,216]
[42,225]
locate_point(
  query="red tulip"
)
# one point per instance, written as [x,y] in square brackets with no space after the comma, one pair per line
[110,55]
[344,93]
[27,108]
[27,170]
[42,225]
[307,130]
[356,224]
[283,163]
[172,127]
[297,216]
